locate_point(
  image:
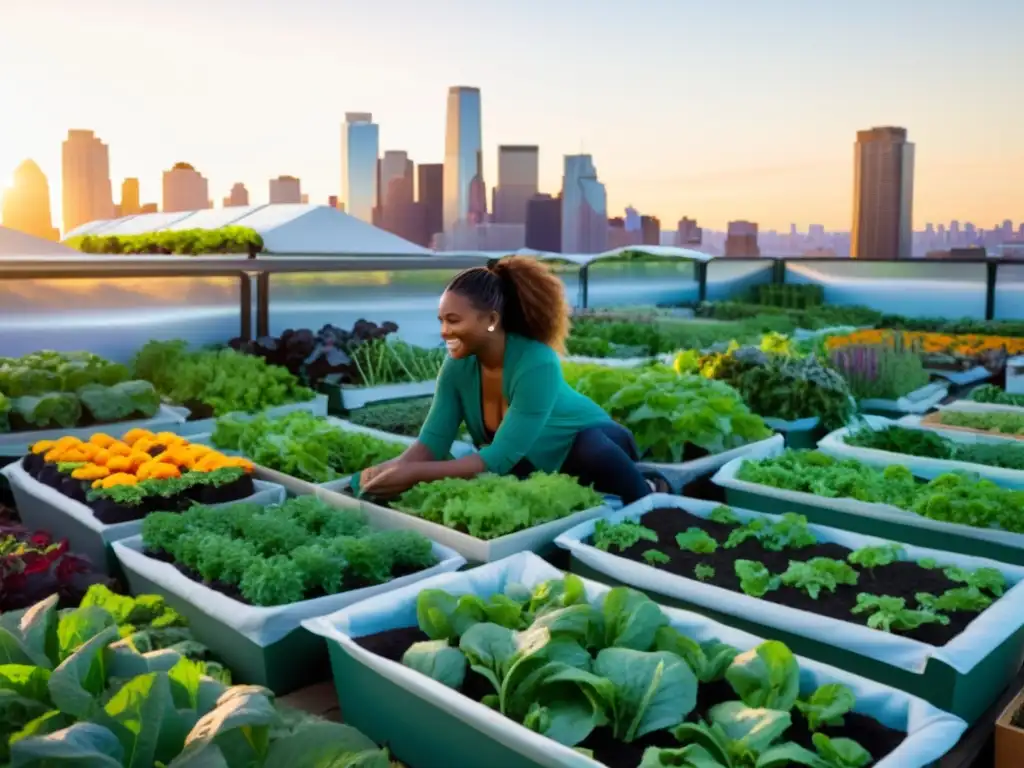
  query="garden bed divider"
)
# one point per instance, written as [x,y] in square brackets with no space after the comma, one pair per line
[261,646]
[964,677]
[420,719]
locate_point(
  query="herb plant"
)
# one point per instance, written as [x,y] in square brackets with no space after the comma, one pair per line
[1002,422]
[489,506]
[696,540]
[404,417]
[656,557]
[988,393]
[703,572]
[286,553]
[621,535]
[930,444]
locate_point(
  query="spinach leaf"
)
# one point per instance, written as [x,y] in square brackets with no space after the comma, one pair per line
[438,660]
[631,619]
[827,705]
[767,676]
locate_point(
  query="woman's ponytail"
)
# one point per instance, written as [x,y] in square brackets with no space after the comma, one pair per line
[535,304]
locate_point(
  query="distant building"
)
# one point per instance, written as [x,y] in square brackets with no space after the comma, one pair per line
[883,194]
[87,193]
[972,252]
[468,236]
[688,234]
[584,207]
[185,189]
[285,189]
[238,197]
[131,202]
[518,175]
[430,196]
[741,240]
[544,224]
[332,201]
[149,208]
[463,158]
[621,237]
[650,230]
[26,205]
[360,145]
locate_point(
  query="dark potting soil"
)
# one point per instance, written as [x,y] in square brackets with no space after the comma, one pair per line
[232,590]
[869,733]
[900,579]
[198,410]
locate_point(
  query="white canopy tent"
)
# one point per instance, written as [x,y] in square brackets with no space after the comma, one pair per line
[286,229]
[15,243]
[585,259]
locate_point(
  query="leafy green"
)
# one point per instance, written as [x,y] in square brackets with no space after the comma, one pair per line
[489,506]
[890,614]
[968,599]
[930,444]
[817,574]
[1003,422]
[722,514]
[767,676]
[187,242]
[876,557]
[985,579]
[827,705]
[656,557]
[755,579]
[285,553]
[989,393]
[703,572]
[696,540]
[621,535]
[788,532]
[309,447]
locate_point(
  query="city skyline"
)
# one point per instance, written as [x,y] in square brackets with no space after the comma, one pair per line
[717,120]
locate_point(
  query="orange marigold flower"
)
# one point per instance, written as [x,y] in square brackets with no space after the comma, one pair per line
[67,441]
[132,436]
[238,461]
[90,472]
[137,459]
[169,439]
[120,464]
[211,462]
[119,449]
[197,450]
[157,470]
[101,439]
[121,478]
[43,446]
[73,455]
[102,457]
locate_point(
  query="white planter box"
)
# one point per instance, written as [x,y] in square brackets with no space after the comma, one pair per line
[834,444]
[317,406]
[982,636]
[44,508]
[357,397]
[1015,375]
[617,362]
[930,733]
[470,547]
[919,401]
[167,419]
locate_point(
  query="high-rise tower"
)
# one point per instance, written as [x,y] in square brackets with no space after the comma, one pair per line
[85,175]
[360,145]
[584,207]
[463,157]
[883,194]
[517,182]
[26,205]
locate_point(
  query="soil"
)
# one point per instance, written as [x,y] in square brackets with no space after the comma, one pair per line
[198,410]
[232,590]
[869,733]
[901,579]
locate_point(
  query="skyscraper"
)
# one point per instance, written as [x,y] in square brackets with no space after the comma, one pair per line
[26,205]
[360,145]
[883,194]
[394,164]
[544,224]
[688,234]
[430,195]
[185,189]
[584,207]
[238,196]
[741,240]
[463,157]
[131,201]
[517,182]
[285,189]
[85,175]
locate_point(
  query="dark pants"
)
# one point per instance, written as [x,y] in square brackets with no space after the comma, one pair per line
[604,457]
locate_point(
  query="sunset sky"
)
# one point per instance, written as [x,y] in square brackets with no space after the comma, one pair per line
[724,109]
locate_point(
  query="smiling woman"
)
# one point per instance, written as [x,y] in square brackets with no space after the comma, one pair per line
[504,326]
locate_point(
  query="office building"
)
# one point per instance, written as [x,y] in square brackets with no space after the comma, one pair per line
[285,189]
[544,224]
[621,237]
[131,199]
[584,207]
[688,234]
[482,236]
[85,174]
[430,196]
[238,196]
[185,189]
[360,145]
[26,205]
[741,240]
[650,230]
[465,195]
[518,174]
[883,194]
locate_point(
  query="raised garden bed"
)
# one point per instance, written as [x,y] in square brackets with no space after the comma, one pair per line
[1006,425]
[702,663]
[952,634]
[246,579]
[927,453]
[888,503]
[97,491]
[486,518]
[1009,735]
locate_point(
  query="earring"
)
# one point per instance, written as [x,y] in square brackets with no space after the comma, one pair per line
[490,329]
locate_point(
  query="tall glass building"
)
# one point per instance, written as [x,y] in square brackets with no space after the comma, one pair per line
[463,156]
[584,207]
[360,145]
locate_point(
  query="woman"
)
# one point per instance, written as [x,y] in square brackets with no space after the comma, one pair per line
[505,325]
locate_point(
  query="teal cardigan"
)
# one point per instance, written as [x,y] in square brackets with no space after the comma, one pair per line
[544,413]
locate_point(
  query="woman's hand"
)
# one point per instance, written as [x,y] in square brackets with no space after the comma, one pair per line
[390,480]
